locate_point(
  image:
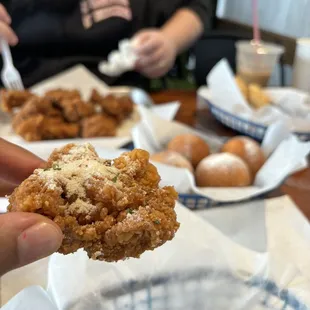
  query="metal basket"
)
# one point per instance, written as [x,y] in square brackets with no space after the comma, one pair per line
[206,289]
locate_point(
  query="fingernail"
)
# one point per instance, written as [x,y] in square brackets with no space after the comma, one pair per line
[38,241]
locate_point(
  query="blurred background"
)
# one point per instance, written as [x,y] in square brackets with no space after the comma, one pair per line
[281,21]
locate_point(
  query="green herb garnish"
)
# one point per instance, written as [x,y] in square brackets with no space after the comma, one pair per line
[56,167]
[130,211]
[157,222]
[46,169]
[114,180]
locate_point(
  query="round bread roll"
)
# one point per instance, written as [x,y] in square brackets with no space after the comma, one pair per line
[223,170]
[247,149]
[190,146]
[173,159]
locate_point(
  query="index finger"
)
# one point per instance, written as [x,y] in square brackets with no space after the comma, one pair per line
[16,164]
[4,14]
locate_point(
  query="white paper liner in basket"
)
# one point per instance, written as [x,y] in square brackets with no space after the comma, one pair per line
[288,156]
[289,105]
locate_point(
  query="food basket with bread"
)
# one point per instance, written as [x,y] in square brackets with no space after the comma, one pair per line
[209,171]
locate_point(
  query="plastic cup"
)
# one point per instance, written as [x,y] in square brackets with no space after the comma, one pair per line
[255,63]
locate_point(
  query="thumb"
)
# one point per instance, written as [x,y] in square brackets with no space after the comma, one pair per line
[25,238]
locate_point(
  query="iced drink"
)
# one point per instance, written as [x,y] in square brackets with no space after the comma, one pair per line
[255,63]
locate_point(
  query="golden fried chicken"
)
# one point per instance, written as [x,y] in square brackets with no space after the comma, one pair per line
[56,128]
[98,125]
[35,106]
[38,127]
[73,110]
[11,99]
[118,107]
[60,94]
[30,129]
[112,209]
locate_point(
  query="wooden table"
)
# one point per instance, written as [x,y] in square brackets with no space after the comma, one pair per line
[297,186]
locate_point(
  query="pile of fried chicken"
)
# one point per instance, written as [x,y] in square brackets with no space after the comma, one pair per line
[62,114]
[113,209]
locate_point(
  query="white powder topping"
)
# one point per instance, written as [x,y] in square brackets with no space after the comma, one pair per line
[80,151]
[75,171]
[223,161]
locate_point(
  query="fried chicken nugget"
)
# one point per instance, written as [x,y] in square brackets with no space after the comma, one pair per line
[56,128]
[258,98]
[60,94]
[112,209]
[98,125]
[243,87]
[30,129]
[118,107]
[35,106]
[75,109]
[11,99]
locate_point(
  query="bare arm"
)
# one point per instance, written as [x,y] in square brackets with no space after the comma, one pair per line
[183,29]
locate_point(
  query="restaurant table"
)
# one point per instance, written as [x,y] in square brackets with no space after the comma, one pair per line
[296,186]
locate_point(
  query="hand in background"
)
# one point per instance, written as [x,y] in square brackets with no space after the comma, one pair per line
[24,237]
[6,31]
[156,53]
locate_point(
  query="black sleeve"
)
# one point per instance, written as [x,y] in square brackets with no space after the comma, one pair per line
[203,8]
[29,6]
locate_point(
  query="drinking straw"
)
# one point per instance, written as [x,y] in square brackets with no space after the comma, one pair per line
[256,30]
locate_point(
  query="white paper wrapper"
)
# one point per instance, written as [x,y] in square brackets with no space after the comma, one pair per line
[289,105]
[269,239]
[83,80]
[31,298]
[288,156]
[75,282]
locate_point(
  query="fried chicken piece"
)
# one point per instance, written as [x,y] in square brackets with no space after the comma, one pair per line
[31,129]
[56,128]
[112,209]
[258,98]
[60,94]
[11,99]
[118,107]
[38,127]
[98,125]
[243,87]
[35,106]
[75,109]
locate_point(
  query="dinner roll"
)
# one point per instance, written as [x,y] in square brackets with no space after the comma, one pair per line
[247,149]
[173,159]
[190,146]
[223,170]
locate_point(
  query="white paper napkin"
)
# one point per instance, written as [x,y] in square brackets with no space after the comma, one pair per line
[31,298]
[197,244]
[121,60]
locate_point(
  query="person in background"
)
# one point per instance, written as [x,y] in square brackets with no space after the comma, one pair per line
[52,35]
[24,237]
